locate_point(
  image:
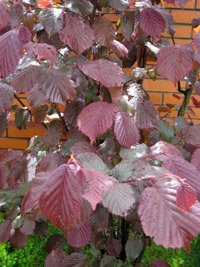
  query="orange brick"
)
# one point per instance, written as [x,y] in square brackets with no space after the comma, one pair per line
[182,31]
[111,17]
[198,5]
[181,41]
[184,16]
[156,98]
[26,133]
[169,99]
[189,5]
[13,143]
[159,85]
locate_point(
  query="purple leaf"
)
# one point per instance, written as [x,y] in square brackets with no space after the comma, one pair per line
[97,184]
[4,15]
[99,219]
[119,199]
[5,231]
[82,147]
[126,132]
[76,33]
[52,135]
[53,242]
[175,62]
[106,72]
[27,227]
[96,119]
[79,237]
[196,159]
[41,51]
[119,48]
[18,240]
[61,203]
[10,52]
[162,220]
[185,196]
[191,136]
[24,34]
[120,5]
[104,31]
[4,121]
[7,95]
[152,22]
[76,260]
[197,87]
[113,247]
[56,258]
[36,98]
[49,163]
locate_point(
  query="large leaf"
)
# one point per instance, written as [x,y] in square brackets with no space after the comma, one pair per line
[136,152]
[168,19]
[82,147]
[5,15]
[134,247]
[185,196]
[76,33]
[162,219]
[36,98]
[97,184]
[106,72]
[61,203]
[24,34]
[126,132]
[152,22]
[104,31]
[10,52]
[76,260]
[49,163]
[96,119]
[51,19]
[175,62]
[79,237]
[119,199]
[192,136]
[7,95]
[41,51]
[123,170]
[99,219]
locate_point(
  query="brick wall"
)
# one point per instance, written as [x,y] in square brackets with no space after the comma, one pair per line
[161,91]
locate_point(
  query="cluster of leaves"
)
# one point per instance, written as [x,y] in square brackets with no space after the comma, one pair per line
[122,164]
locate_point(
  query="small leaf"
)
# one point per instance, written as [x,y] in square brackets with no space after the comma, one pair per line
[76,260]
[5,15]
[134,153]
[18,240]
[7,95]
[4,117]
[99,219]
[27,227]
[22,115]
[104,71]
[120,5]
[53,242]
[166,131]
[5,231]
[119,199]
[52,135]
[77,34]
[83,8]
[24,34]
[123,170]
[113,247]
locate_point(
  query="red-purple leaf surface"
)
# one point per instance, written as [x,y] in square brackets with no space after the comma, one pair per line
[168,19]
[196,159]
[76,33]
[165,148]
[2,176]
[162,220]
[52,135]
[97,184]
[175,62]
[82,147]
[192,136]
[36,98]
[18,240]
[104,71]
[145,115]
[5,231]
[119,48]
[56,258]
[76,260]
[197,41]
[27,227]
[79,237]
[183,169]
[113,247]
[96,119]
[126,132]
[119,199]
[185,196]
[152,22]
[159,263]
[4,14]
[99,219]
[4,121]
[10,52]
[24,34]
[61,203]
[104,31]
[26,79]
[197,87]
[53,242]
[50,162]
[7,95]
[41,51]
